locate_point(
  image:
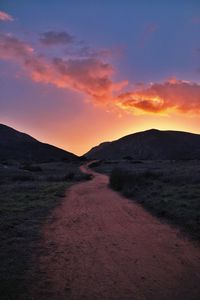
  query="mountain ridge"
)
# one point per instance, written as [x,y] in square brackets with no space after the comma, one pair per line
[16,145]
[150,144]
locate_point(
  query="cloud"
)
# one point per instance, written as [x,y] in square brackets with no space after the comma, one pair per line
[51,38]
[171,96]
[148,31]
[91,76]
[11,47]
[87,51]
[5,17]
[75,47]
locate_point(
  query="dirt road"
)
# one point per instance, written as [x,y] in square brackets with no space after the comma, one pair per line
[99,245]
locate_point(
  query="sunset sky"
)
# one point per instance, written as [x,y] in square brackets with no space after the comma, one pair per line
[75,73]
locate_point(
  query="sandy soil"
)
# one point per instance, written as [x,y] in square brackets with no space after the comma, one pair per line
[99,245]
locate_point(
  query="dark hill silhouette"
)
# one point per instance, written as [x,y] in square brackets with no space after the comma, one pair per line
[15,145]
[151,144]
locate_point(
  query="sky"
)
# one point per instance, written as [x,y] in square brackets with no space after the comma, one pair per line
[76,73]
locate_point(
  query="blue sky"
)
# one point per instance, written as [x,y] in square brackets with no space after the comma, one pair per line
[147,56]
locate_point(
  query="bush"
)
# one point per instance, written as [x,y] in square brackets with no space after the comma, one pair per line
[64,159]
[125,180]
[127,157]
[116,177]
[31,168]
[95,164]
[88,176]
[22,178]
[69,176]
[120,178]
[55,178]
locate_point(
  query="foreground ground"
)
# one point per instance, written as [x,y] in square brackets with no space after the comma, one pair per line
[28,194]
[99,245]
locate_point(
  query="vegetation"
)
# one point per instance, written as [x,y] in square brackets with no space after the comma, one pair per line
[172,195]
[28,194]
[168,189]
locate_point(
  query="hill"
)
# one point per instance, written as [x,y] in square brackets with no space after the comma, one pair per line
[15,145]
[152,144]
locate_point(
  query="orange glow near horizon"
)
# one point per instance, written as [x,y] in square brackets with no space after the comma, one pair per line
[135,104]
[89,130]
[170,97]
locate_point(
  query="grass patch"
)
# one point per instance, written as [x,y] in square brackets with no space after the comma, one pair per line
[27,197]
[170,190]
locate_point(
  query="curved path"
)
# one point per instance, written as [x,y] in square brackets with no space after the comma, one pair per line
[101,246]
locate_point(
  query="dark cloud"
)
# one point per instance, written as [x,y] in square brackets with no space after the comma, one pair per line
[51,38]
[88,52]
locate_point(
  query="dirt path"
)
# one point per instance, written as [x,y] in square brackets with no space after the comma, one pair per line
[102,246]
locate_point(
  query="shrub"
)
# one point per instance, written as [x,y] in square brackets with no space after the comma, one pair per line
[22,178]
[69,176]
[64,159]
[121,179]
[151,175]
[95,164]
[31,168]
[55,178]
[128,157]
[117,178]
[88,176]
[83,158]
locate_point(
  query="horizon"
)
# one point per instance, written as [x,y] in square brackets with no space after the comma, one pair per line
[131,67]
[149,129]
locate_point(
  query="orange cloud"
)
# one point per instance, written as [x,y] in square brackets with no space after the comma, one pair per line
[5,17]
[172,96]
[91,76]
[11,47]
[88,75]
